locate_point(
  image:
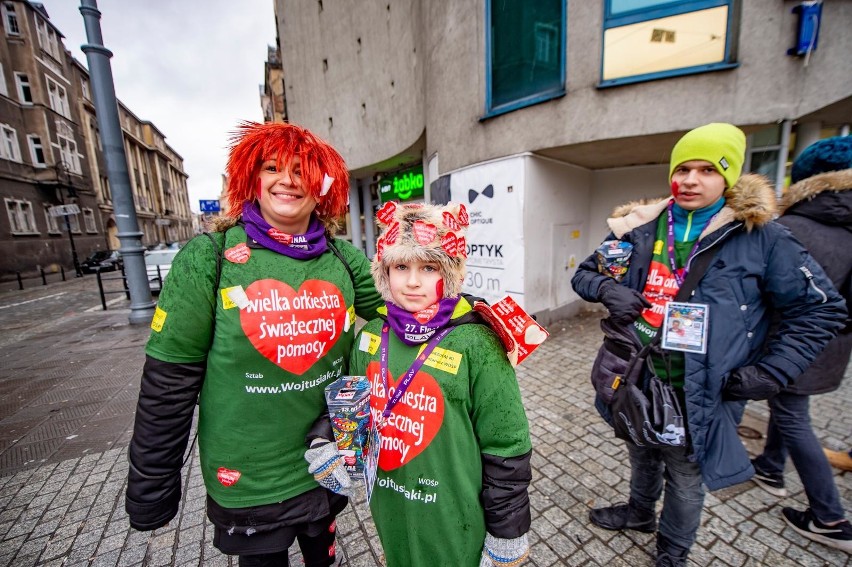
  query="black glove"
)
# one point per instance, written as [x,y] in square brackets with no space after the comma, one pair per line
[624,304]
[750,383]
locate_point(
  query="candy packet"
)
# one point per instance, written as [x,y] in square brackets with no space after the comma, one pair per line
[348,400]
[613,258]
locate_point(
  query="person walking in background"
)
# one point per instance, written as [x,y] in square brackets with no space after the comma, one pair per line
[817,208]
[257,318]
[757,268]
[454,466]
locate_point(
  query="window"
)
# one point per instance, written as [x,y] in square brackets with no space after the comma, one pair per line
[36,151]
[89,220]
[3,90]
[74,221]
[52,222]
[9,148]
[47,38]
[21,217]
[58,97]
[25,93]
[68,154]
[652,39]
[10,19]
[84,85]
[525,46]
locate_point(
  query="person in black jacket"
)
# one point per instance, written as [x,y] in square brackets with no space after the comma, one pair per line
[817,208]
[755,268]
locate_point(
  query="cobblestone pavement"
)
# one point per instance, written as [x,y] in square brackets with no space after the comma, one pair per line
[68,383]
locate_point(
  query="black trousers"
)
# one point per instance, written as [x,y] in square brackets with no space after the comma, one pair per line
[318,547]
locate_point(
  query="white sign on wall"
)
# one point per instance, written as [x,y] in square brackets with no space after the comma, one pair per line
[493,194]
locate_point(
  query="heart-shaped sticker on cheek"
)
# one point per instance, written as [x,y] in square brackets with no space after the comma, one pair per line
[293,329]
[414,421]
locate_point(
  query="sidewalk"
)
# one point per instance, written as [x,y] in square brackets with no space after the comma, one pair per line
[69,375]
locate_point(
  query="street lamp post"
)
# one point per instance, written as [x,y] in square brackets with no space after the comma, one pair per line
[77,271]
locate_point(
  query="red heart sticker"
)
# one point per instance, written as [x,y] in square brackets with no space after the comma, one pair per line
[450,244]
[239,254]
[392,234]
[461,243]
[280,236]
[385,214]
[293,329]
[424,232]
[228,477]
[450,221]
[464,219]
[425,315]
[380,247]
[415,420]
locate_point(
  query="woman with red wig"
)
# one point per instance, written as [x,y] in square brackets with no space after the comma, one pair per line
[253,322]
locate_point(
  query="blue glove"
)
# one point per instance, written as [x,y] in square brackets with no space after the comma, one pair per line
[499,552]
[326,464]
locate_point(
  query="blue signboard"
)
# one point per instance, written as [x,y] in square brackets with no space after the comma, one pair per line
[209,206]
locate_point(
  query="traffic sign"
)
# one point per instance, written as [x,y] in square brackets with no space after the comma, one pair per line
[209,206]
[63,210]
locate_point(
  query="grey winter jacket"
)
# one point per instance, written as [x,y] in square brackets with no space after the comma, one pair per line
[758,268]
[818,210]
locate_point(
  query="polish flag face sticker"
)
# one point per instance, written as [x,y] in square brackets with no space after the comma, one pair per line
[424,232]
[239,254]
[385,214]
[228,477]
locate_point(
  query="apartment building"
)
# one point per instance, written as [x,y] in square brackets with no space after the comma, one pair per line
[51,155]
[542,116]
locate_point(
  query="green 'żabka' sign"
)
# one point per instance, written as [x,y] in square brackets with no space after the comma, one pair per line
[402,186]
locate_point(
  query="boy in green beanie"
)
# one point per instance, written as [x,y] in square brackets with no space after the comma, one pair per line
[757,268]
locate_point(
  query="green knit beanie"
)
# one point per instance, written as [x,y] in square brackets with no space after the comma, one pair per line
[721,144]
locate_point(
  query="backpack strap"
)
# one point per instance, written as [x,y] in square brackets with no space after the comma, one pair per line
[340,257]
[219,248]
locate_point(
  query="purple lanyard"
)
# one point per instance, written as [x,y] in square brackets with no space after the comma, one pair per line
[680,273]
[409,376]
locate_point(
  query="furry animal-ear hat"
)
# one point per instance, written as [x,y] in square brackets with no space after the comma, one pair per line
[422,233]
[323,171]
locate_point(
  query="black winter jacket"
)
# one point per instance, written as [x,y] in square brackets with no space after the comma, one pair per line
[818,211]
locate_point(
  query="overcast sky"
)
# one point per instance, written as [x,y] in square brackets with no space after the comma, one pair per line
[192,67]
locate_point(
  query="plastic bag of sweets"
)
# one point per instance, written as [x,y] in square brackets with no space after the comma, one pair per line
[348,400]
[613,258]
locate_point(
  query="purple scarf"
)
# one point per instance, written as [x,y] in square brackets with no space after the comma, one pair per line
[425,323]
[297,246]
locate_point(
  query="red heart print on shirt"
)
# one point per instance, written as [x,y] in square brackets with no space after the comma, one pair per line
[293,329]
[414,421]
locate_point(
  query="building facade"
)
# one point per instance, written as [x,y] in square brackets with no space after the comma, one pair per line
[51,155]
[541,117]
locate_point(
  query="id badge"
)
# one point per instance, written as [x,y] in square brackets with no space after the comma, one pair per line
[371,458]
[685,327]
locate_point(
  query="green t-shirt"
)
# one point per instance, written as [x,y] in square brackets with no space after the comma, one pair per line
[660,288]
[274,334]
[463,402]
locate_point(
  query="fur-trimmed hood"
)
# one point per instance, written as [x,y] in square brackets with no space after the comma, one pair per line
[826,197]
[751,201]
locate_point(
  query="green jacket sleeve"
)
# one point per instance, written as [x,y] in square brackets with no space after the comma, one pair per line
[367,299]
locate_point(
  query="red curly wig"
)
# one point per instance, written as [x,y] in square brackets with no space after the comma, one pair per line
[254,143]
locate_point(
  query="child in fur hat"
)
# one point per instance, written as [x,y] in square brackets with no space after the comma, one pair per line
[454,464]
